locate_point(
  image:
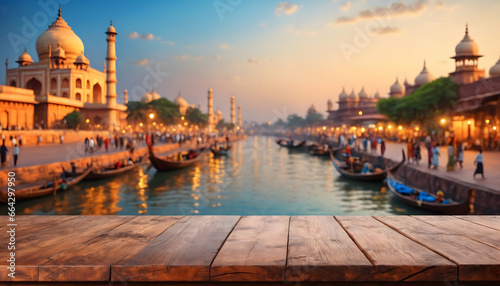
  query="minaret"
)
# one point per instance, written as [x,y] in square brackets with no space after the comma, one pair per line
[210,110]
[233,117]
[125,96]
[111,67]
[239,115]
[199,105]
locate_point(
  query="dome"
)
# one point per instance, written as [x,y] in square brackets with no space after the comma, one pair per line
[154,95]
[467,47]
[377,95]
[181,101]
[353,96]
[59,52]
[111,29]
[147,97]
[219,113]
[396,87]
[424,77]
[312,109]
[343,95]
[59,33]
[81,59]
[495,70]
[362,94]
[25,57]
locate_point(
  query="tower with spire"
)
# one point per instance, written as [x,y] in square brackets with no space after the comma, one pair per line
[210,110]
[239,115]
[233,116]
[466,61]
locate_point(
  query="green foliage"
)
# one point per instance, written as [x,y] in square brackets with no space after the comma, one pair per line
[221,125]
[73,119]
[423,105]
[313,117]
[196,117]
[163,109]
[295,121]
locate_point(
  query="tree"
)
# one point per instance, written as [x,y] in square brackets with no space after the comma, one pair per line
[196,117]
[313,116]
[164,110]
[295,121]
[423,106]
[73,119]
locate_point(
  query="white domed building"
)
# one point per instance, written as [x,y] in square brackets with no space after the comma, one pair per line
[183,104]
[423,77]
[44,92]
[495,70]
[396,89]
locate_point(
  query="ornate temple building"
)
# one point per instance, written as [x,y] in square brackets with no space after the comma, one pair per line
[42,93]
[355,109]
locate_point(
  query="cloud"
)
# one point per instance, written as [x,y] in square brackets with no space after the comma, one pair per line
[285,8]
[181,58]
[386,30]
[145,37]
[254,61]
[186,57]
[224,46]
[263,24]
[346,6]
[397,9]
[142,62]
[217,57]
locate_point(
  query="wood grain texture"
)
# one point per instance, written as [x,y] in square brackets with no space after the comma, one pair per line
[476,261]
[110,248]
[320,250]
[183,252]
[254,251]
[394,256]
[471,230]
[47,243]
[488,221]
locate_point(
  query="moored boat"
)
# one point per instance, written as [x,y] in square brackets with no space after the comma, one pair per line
[289,144]
[35,190]
[111,171]
[421,199]
[172,163]
[221,151]
[348,171]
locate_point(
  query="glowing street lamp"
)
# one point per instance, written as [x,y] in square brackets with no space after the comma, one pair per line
[469,122]
[140,124]
[400,127]
[380,128]
[360,112]
[494,128]
[87,121]
[443,121]
[151,115]
[390,126]
[487,121]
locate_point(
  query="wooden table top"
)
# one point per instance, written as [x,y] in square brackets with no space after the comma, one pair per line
[214,249]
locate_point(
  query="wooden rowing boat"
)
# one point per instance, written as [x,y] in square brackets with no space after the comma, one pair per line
[450,208]
[111,171]
[364,177]
[300,145]
[170,163]
[221,151]
[43,189]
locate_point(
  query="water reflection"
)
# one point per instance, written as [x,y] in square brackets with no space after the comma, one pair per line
[256,178]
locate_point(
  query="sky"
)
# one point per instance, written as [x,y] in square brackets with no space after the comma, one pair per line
[276,57]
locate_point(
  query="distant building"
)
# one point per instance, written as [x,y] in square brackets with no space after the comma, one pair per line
[43,92]
[355,109]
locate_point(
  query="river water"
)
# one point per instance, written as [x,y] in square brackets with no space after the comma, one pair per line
[256,178]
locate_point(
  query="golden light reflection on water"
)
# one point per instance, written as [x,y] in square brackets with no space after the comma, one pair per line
[142,186]
[101,200]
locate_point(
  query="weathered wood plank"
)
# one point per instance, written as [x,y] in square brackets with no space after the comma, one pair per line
[476,261]
[183,252]
[64,237]
[394,256]
[112,247]
[27,228]
[320,250]
[254,251]
[489,221]
[471,230]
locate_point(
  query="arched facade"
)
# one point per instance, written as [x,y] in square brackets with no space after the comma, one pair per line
[96,93]
[34,85]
